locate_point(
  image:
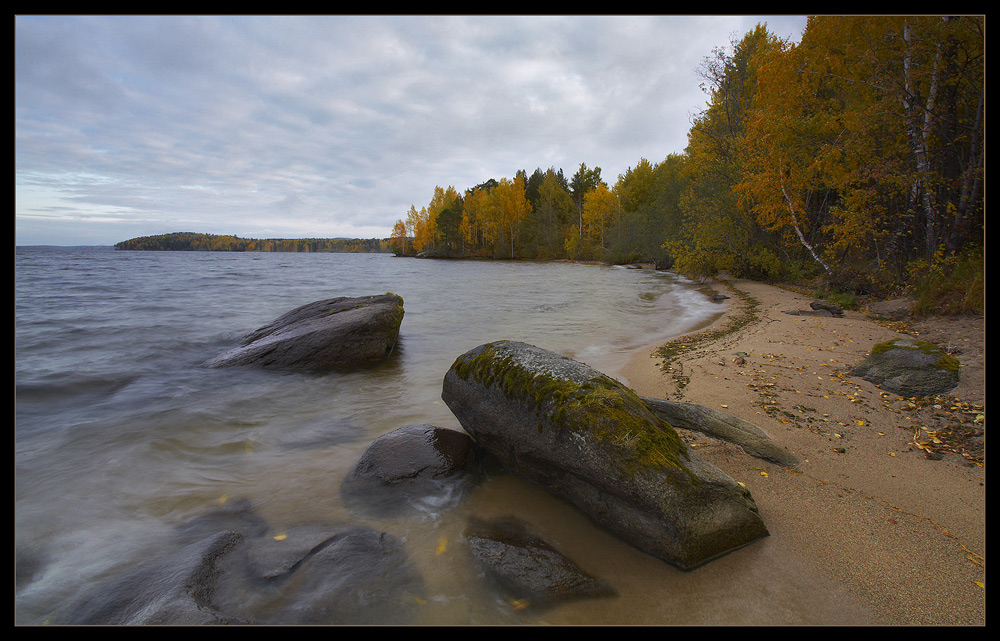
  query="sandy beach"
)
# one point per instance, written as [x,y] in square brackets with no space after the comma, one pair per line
[888,501]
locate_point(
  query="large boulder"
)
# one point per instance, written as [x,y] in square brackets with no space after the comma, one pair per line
[322,335]
[593,441]
[909,368]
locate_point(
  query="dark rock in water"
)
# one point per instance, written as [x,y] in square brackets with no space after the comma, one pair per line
[527,566]
[719,297]
[909,368]
[322,335]
[321,574]
[591,440]
[819,305]
[177,589]
[748,436]
[417,466]
[237,515]
[317,573]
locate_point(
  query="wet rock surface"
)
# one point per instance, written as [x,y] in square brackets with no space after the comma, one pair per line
[176,589]
[594,442]
[326,573]
[322,335]
[413,468]
[526,567]
[320,574]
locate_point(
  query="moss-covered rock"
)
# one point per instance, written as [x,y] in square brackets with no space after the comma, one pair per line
[593,441]
[909,368]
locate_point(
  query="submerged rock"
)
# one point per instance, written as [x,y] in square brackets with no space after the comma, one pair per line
[322,335]
[326,573]
[527,566]
[591,440]
[176,589]
[321,574]
[417,466]
[909,368]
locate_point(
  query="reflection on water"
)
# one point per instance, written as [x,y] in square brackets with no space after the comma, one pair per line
[121,435]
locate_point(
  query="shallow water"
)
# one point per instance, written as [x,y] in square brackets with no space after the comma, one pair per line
[121,434]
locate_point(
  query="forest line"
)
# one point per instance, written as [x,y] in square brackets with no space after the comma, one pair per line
[855,157]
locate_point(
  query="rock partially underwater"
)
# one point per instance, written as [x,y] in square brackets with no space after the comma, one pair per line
[591,440]
[240,570]
[526,566]
[419,468]
[322,335]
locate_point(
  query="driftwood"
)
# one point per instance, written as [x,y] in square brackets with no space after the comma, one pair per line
[698,418]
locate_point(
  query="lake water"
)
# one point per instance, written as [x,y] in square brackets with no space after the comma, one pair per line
[121,434]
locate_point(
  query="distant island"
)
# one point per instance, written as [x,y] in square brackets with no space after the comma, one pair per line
[191,241]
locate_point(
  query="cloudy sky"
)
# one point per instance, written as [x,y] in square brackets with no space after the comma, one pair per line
[314,126]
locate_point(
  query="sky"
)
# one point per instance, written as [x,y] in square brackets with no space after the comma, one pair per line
[333,126]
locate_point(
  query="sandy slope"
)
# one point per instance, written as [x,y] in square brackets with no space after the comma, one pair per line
[900,527]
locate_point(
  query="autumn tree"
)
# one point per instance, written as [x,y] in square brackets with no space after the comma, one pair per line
[507,207]
[398,240]
[583,181]
[865,146]
[552,214]
[720,231]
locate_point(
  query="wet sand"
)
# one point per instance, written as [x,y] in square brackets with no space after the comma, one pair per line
[870,528]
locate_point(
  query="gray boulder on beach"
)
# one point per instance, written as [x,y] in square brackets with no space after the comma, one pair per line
[322,335]
[909,368]
[591,440]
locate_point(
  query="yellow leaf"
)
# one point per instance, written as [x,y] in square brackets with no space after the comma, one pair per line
[519,604]
[223,498]
[764,474]
[281,537]
[442,545]
[980,584]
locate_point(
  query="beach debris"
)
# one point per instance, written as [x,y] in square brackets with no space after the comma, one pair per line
[589,439]
[834,310]
[731,429]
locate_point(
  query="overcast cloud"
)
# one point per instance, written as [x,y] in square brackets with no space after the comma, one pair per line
[333,126]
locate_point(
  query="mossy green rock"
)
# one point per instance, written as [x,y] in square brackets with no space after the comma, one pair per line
[909,368]
[322,335]
[591,440]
